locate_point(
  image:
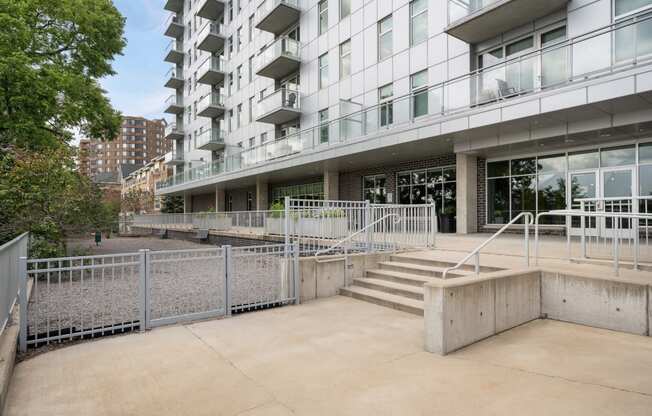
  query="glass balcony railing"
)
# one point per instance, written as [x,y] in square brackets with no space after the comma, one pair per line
[211,105]
[174,26]
[211,37]
[212,64]
[174,51]
[174,73]
[458,9]
[211,139]
[282,47]
[283,98]
[175,157]
[621,46]
[174,100]
[173,130]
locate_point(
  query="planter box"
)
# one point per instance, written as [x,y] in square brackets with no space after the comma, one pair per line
[310,227]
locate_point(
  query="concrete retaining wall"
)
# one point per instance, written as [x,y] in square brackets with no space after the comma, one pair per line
[459,312]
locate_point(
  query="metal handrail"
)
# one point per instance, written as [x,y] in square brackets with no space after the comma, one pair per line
[476,252]
[396,217]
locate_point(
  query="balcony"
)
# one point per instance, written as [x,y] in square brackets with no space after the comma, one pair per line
[476,20]
[175,6]
[211,139]
[279,59]
[210,9]
[211,106]
[174,78]
[174,52]
[279,107]
[174,132]
[211,38]
[212,71]
[275,16]
[174,105]
[174,26]
[174,158]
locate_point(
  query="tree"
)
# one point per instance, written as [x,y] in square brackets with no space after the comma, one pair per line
[44,194]
[51,55]
[172,204]
[137,200]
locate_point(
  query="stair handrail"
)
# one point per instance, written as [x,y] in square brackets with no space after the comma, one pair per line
[396,217]
[529,220]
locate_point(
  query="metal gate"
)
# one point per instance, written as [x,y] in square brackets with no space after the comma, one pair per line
[92,296]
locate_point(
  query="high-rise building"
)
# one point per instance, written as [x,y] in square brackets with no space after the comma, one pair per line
[487,108]
[140,140]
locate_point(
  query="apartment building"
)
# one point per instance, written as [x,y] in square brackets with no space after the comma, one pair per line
[138,188]
[488,108]
[139,141]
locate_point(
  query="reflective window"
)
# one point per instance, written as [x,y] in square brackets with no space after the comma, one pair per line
[583,160]
[618,156]
[374,189]
[645,153]
[345,8]
[385,38]
[418,21]
[345,59]
[323,16]
[323,70]
[419,87]
[385,95]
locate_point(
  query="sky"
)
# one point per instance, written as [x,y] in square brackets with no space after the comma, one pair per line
[137,88]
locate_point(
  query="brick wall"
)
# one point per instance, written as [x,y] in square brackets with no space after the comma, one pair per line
[351,182]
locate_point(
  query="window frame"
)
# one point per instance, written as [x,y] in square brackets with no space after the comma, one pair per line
[386,33]
[345,55]
[413,16]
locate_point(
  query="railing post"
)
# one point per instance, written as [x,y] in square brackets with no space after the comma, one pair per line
[582,219]
[636,243]
[536,240]
[615,243]
[143,298]
[22,296]
[366,222]
[527,241]
[433,219]
[477,263]
[296,272]
[287,222]
[228,260]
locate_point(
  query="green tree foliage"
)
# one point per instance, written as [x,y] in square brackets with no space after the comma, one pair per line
[52,52]
[172,204]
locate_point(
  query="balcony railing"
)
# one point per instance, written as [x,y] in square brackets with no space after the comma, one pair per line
[575,60]
[174,157]
[211,105]
[275,16]
[279,107]
[212,70]
[279,59]
[174,132]
[211,139]
[211,38]
[174,78]
[174,26]
[174,104]
[174,52]
[459,9]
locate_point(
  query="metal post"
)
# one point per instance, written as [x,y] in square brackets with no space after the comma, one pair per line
[346,264]
[527,241]
[366,222]
[22,296]
[582,219]
[536,240]
[228,272]
[433,219]
[477,263]
[287,223]
[143,298]
[636,243]
[296,272]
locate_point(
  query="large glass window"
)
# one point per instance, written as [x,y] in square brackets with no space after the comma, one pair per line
[323,70]
[374,189]
[419,87]
[385,38]
[645,177]
[345,8]
[345,59]
[323,16]
[618,156]
[632,40]
[305,191]
[426,185]
[418,21]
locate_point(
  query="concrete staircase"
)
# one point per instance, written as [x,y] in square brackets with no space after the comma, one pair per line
[398,283]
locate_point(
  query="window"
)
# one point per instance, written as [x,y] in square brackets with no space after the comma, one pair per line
[263,138]
[250,67]
[307,191]
[419,88]
[623,7]
[429,185]
[250,201]
[251,109]
[323,70]
[230,10]
[230,121]
[345,8]
[252,142]
[632,40]
[229,43]
[345,59]
[418,21]
[238,39]
[230,83]
[251,28]
[323,16]
[238,73]
[239,119]
[385,38]
[323,129]
[385,95]
[374,189]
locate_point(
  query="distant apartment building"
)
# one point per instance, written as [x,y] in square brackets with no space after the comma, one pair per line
[488,108]
[140,140]
[138,188]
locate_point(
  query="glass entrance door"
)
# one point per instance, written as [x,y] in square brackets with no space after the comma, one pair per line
[583,185]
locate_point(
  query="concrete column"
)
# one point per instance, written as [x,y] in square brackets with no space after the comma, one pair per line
[262,195]
[220,199]
[331,185]
[187,203]
[467,193]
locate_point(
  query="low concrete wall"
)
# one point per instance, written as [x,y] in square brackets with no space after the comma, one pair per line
[459,312]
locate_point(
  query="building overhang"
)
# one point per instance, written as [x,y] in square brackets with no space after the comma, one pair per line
[212,42]
[210,9]
[277,20]
[211,111]
[279,67]
[280,115]
[174,30]
[175,6]
[174,56]
[211,77]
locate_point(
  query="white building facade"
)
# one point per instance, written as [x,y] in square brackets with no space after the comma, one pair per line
[487,107]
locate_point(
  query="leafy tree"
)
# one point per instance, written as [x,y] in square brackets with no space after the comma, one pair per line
[172,204]
[137,201]
[51,55]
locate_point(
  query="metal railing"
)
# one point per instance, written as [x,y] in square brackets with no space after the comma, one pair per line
[91,296]
[345,243]
[283,46]
[575,60]
[174,45]
[527,216]
[10,252]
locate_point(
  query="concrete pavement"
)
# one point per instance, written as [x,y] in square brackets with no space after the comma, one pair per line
[338,356]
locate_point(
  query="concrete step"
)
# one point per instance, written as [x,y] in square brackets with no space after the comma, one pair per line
[425,261]
[399,277]
[421,270]
[399,289]
[384,299]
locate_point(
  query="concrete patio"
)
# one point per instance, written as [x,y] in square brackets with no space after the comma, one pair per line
[338,356]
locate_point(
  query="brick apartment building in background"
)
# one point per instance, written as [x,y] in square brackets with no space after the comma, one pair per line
[140,140]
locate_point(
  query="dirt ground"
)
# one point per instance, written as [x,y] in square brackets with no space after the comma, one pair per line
[126,245]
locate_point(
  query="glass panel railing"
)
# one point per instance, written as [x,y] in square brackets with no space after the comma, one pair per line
[174,100]
[281,46]
[281,98]
[268,5]
[210,136]
[174,72]
[174,45]
[458,9]
[589,56]
[212,63]
[174,19]
[173,129]
[211,100]
[212,29]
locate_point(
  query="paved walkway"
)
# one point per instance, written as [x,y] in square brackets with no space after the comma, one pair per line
[338,356]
